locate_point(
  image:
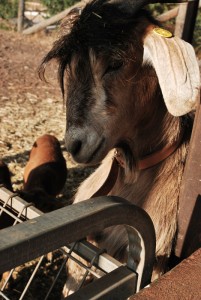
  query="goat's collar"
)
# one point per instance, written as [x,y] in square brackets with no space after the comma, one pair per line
[153,158]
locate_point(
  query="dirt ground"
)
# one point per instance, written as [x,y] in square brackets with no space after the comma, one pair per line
[30,108]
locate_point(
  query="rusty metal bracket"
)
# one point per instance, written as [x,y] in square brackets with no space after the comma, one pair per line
[189,220]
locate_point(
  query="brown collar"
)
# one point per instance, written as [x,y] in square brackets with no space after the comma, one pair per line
[145,163]
[153,158]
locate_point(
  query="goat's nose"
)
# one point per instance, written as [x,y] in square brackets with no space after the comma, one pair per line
[73,144]
[75,147]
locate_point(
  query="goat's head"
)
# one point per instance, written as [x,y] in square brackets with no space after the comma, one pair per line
[110,58]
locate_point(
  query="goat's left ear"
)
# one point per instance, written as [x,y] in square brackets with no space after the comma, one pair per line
[177,69]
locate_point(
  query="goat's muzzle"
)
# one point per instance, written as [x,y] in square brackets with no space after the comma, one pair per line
[85,145]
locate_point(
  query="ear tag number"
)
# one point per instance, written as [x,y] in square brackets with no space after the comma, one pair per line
[162,32]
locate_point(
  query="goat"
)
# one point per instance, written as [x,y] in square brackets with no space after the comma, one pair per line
[45,173]
[128,94]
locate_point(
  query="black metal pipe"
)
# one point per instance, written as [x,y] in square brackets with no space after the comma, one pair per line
[190,21]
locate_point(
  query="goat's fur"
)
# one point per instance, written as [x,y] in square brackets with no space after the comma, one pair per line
[114,100]
[45,173]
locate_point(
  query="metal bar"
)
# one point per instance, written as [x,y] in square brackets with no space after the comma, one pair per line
[89,269]
[119,284]
[7,279]
[190,19]
[82,248]
[53,230]
[68,253]
[189,221]
[4,296]
[185,21]
[84,266]
[55,279]
[31,278]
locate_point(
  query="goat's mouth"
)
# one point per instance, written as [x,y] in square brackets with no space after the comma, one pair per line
[89,153]
[96,155]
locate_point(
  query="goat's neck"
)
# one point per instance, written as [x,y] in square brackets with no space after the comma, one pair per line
[159,135]
[156,129]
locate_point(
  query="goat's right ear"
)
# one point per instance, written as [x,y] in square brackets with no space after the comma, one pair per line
[177,69]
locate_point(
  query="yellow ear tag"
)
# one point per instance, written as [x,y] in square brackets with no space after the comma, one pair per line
[162,32]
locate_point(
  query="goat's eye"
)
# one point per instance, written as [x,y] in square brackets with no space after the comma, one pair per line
[113,67]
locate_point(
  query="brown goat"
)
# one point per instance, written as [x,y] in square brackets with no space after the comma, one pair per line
[128,89]
[45,173]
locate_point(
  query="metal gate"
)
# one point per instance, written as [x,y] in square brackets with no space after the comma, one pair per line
[35,235]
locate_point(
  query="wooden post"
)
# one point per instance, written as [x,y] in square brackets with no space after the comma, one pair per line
[54,19]
[189,221]
[168,15]
[180,20]
[20,20]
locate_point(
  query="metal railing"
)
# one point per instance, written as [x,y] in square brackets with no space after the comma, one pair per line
[36,234]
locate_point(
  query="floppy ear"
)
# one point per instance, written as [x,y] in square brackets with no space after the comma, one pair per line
[177,69]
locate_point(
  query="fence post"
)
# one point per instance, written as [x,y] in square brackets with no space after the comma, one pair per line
[185,21]
[20,20]
[189,25]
